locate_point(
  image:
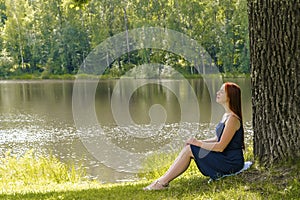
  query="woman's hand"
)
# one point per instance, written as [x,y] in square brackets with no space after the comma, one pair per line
[193,141]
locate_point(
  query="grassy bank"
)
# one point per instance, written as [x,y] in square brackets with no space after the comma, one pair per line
[36,76]
[33,173]
[45,177]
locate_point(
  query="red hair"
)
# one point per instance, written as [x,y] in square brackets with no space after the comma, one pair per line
[233,92]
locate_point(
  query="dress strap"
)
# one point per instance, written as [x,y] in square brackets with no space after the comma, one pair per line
[229,115]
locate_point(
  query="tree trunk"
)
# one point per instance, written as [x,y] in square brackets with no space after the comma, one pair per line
[274,27]
[127,39]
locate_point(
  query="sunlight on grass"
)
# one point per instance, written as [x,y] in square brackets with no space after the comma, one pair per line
[30,172]
[45,177]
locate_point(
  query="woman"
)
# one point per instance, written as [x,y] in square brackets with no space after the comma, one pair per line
[216,156]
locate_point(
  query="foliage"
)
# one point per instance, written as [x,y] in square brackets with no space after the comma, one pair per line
[56,36]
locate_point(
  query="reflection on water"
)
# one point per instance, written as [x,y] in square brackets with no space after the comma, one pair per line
[38,115]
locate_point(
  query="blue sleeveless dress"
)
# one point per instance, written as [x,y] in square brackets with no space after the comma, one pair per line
[216,164]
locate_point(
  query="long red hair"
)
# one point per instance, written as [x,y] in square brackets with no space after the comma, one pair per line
[233,92]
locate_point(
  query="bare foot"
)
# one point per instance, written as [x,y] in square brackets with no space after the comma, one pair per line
[156,185]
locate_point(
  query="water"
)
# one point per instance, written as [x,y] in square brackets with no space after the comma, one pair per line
[38,115]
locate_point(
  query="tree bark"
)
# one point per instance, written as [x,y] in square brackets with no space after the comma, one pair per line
[274,27]
[127,39]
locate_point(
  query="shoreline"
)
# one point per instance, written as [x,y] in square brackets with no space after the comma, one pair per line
[71,77]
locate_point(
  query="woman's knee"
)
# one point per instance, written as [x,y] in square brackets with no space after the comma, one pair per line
[188,151]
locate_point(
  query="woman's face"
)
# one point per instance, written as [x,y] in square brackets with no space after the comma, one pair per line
[221,95]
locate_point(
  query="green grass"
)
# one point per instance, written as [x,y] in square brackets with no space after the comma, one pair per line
[37,173]
[45,177]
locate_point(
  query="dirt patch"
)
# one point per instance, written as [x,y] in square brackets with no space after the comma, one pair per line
[277,175]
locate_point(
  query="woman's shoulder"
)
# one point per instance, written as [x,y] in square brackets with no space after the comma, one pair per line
[227,116]
[233,118]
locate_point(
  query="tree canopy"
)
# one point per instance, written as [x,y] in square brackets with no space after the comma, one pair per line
[55,36]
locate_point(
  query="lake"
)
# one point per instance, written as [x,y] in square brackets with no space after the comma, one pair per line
[151,116]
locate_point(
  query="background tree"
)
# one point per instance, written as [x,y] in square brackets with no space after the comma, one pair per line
[53,37]
[16,32]
[275,58]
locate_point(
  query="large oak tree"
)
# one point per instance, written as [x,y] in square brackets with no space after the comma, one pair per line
[274,27]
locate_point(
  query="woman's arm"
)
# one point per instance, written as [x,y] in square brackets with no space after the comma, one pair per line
[231,126]
[214,139]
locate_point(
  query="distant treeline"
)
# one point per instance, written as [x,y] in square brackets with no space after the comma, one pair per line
[53,37]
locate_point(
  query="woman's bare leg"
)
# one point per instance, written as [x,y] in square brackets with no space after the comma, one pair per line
[179,166]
